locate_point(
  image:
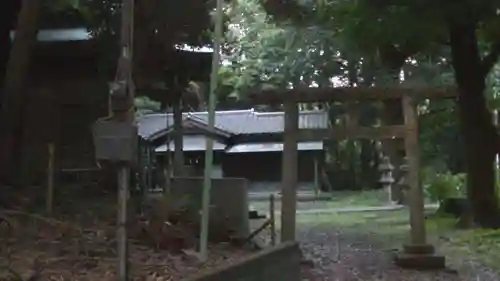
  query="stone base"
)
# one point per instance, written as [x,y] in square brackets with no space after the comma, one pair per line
[420,261]
[418,249]
[307,263]
[419,257]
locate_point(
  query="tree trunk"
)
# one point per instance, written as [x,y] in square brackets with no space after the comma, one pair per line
[8,17]
[480,137]
[14,93]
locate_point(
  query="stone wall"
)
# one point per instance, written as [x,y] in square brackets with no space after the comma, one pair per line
[229,204]
[280,263]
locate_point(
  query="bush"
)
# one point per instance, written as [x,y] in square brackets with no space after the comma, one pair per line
[439,186]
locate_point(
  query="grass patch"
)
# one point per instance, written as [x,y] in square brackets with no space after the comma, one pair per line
[380,223]
[343,199]
[482,245]
[391,229]
[362,198]
[357,219]
[339,200]
[333,219]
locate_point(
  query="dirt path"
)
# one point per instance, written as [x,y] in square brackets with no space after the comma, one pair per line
[362,256]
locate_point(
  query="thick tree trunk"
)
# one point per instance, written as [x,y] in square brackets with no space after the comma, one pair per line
[480,137]
[8,18]
[14,92]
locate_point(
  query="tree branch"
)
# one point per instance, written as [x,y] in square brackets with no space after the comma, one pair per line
[394,57]
[491,59]
[284,10]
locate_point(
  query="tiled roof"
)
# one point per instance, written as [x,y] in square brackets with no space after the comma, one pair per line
[235,121]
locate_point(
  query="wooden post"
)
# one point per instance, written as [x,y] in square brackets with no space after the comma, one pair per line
[50,178]
[148,179]
[207,182]
[289,172]
[178,139]
[416,196]
[417,254]
[167,188]
[273,220]
[496,165]
[124,82]
[316,176]
[123,196]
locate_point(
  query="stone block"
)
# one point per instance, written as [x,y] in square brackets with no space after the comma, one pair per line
[228,202]
[418,249]
[420,261]
[280,263]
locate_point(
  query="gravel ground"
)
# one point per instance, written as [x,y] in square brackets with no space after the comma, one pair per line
[263,206]
[350,255]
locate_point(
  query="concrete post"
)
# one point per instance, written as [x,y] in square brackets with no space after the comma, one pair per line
[418,254]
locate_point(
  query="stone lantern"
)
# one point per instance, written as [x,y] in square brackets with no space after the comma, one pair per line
[403,185]
[386,179]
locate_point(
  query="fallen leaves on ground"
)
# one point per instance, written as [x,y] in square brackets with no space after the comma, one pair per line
[42,248]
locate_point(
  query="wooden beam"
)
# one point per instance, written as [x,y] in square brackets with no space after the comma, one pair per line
[271,96]
[340,133]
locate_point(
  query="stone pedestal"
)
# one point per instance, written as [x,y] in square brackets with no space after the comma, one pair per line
[420,257]
[386,179]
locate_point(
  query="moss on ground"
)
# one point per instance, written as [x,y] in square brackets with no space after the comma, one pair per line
[338,200]
[390,229]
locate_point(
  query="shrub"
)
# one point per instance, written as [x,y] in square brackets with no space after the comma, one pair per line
[439,186]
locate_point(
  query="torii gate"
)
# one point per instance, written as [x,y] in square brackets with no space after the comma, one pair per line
[419,254]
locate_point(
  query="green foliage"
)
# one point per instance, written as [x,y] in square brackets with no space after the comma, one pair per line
[64,5]
[372,26]
[145,105]
[439,186]
[354,43]
[484,243]
[493,90]
[440,137]
[179,21]
[264,54]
